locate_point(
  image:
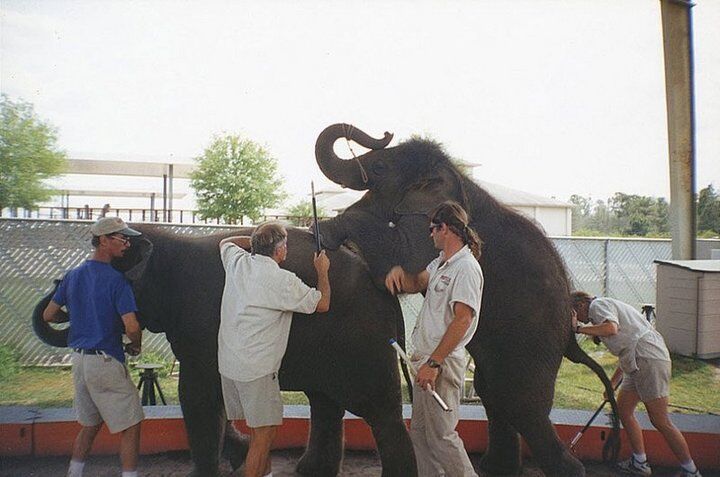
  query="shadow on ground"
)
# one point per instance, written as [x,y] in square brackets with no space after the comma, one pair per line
[178,464]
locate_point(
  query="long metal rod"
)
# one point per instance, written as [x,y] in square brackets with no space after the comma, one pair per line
[318,246]
[579,435]
[411,368]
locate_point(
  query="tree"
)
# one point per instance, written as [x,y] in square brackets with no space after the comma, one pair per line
[28,155]
[235,177]
[581,211]
[640,215]
[708,211]
[301,214]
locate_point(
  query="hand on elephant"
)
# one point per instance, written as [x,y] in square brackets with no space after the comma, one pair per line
[322,263]
[426,376]
[394,279]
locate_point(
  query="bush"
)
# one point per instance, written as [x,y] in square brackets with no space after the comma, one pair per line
[8,362]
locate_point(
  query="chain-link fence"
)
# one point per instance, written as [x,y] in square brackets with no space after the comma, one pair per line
[35,252]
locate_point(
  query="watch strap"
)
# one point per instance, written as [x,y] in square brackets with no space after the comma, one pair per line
[433,364]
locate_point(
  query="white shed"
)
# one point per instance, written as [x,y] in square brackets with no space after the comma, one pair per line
[688,306]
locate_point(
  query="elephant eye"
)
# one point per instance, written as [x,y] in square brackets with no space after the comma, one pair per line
[378,168]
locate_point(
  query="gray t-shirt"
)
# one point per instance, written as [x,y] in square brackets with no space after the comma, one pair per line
[458,279]
[635,337]
[256,312]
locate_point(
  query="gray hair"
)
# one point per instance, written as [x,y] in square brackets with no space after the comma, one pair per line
[266,239]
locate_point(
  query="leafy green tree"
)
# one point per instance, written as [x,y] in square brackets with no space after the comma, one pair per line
[301,214]
[708,211]
[28,155]
[640,215]
[581,211]
[235,177]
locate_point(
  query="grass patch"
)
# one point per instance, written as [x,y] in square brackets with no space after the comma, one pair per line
[695,385]
[46,387]
[8,363]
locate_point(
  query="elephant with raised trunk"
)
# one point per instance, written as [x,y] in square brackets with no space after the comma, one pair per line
[525,321]
[341,359]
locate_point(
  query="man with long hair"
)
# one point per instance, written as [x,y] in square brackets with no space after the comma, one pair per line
[447,321]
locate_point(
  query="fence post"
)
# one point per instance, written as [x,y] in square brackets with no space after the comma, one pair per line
[606,268]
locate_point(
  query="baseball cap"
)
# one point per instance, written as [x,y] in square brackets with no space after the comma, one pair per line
[112,225]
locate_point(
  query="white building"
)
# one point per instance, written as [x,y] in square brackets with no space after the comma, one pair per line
[554,216]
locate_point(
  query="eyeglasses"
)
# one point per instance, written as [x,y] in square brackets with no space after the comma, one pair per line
[434,227]
[121,238]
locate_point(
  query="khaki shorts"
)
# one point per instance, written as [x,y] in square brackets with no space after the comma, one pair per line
[650,381]
[105,392]
[257,401]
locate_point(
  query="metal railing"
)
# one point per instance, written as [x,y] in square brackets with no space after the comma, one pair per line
[176,216]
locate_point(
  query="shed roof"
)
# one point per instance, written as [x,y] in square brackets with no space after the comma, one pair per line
[337,199]
[710,266]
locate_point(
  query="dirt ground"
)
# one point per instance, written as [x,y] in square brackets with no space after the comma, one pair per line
[283,462]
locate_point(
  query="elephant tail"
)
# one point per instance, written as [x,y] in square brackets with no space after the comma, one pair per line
[573,352]
[43,330]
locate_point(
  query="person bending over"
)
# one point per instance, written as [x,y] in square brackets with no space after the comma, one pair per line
[644,368]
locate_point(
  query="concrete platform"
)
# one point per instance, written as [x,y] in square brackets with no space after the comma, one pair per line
[34,432]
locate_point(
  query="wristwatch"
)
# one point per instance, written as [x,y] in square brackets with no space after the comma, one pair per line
[433,364]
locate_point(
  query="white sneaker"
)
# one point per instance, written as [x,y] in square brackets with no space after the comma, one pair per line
[685,473]
[633,467]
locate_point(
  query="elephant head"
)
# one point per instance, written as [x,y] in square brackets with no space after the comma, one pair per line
[390,222]
[133,265]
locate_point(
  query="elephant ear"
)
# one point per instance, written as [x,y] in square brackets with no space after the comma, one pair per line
[135,261]
[421,198]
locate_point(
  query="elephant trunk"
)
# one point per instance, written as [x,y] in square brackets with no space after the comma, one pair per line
[346,173]
[46,333]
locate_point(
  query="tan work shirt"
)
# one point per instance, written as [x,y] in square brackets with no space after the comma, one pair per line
[256,312]
[459,279]
[635,336]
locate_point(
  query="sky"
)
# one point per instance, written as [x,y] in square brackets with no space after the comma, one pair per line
[550,97]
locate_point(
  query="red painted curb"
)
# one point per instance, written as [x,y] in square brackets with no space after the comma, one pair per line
[25,431]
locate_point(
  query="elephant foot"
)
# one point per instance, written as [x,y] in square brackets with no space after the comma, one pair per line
[569,466]
[323,455]
[235,446]
[394,445]
[204,472]
[315,464]
[494,463]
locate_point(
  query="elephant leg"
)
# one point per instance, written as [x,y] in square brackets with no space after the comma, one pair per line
[202,407]
[550,453]
[503,455]
[235,445]
[324,451]
[394,444]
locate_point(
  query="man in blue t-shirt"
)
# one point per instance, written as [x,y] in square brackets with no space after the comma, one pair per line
[101,306]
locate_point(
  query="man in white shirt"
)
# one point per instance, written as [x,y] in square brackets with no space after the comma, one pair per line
[644,367]
[447,321]
[255,316]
